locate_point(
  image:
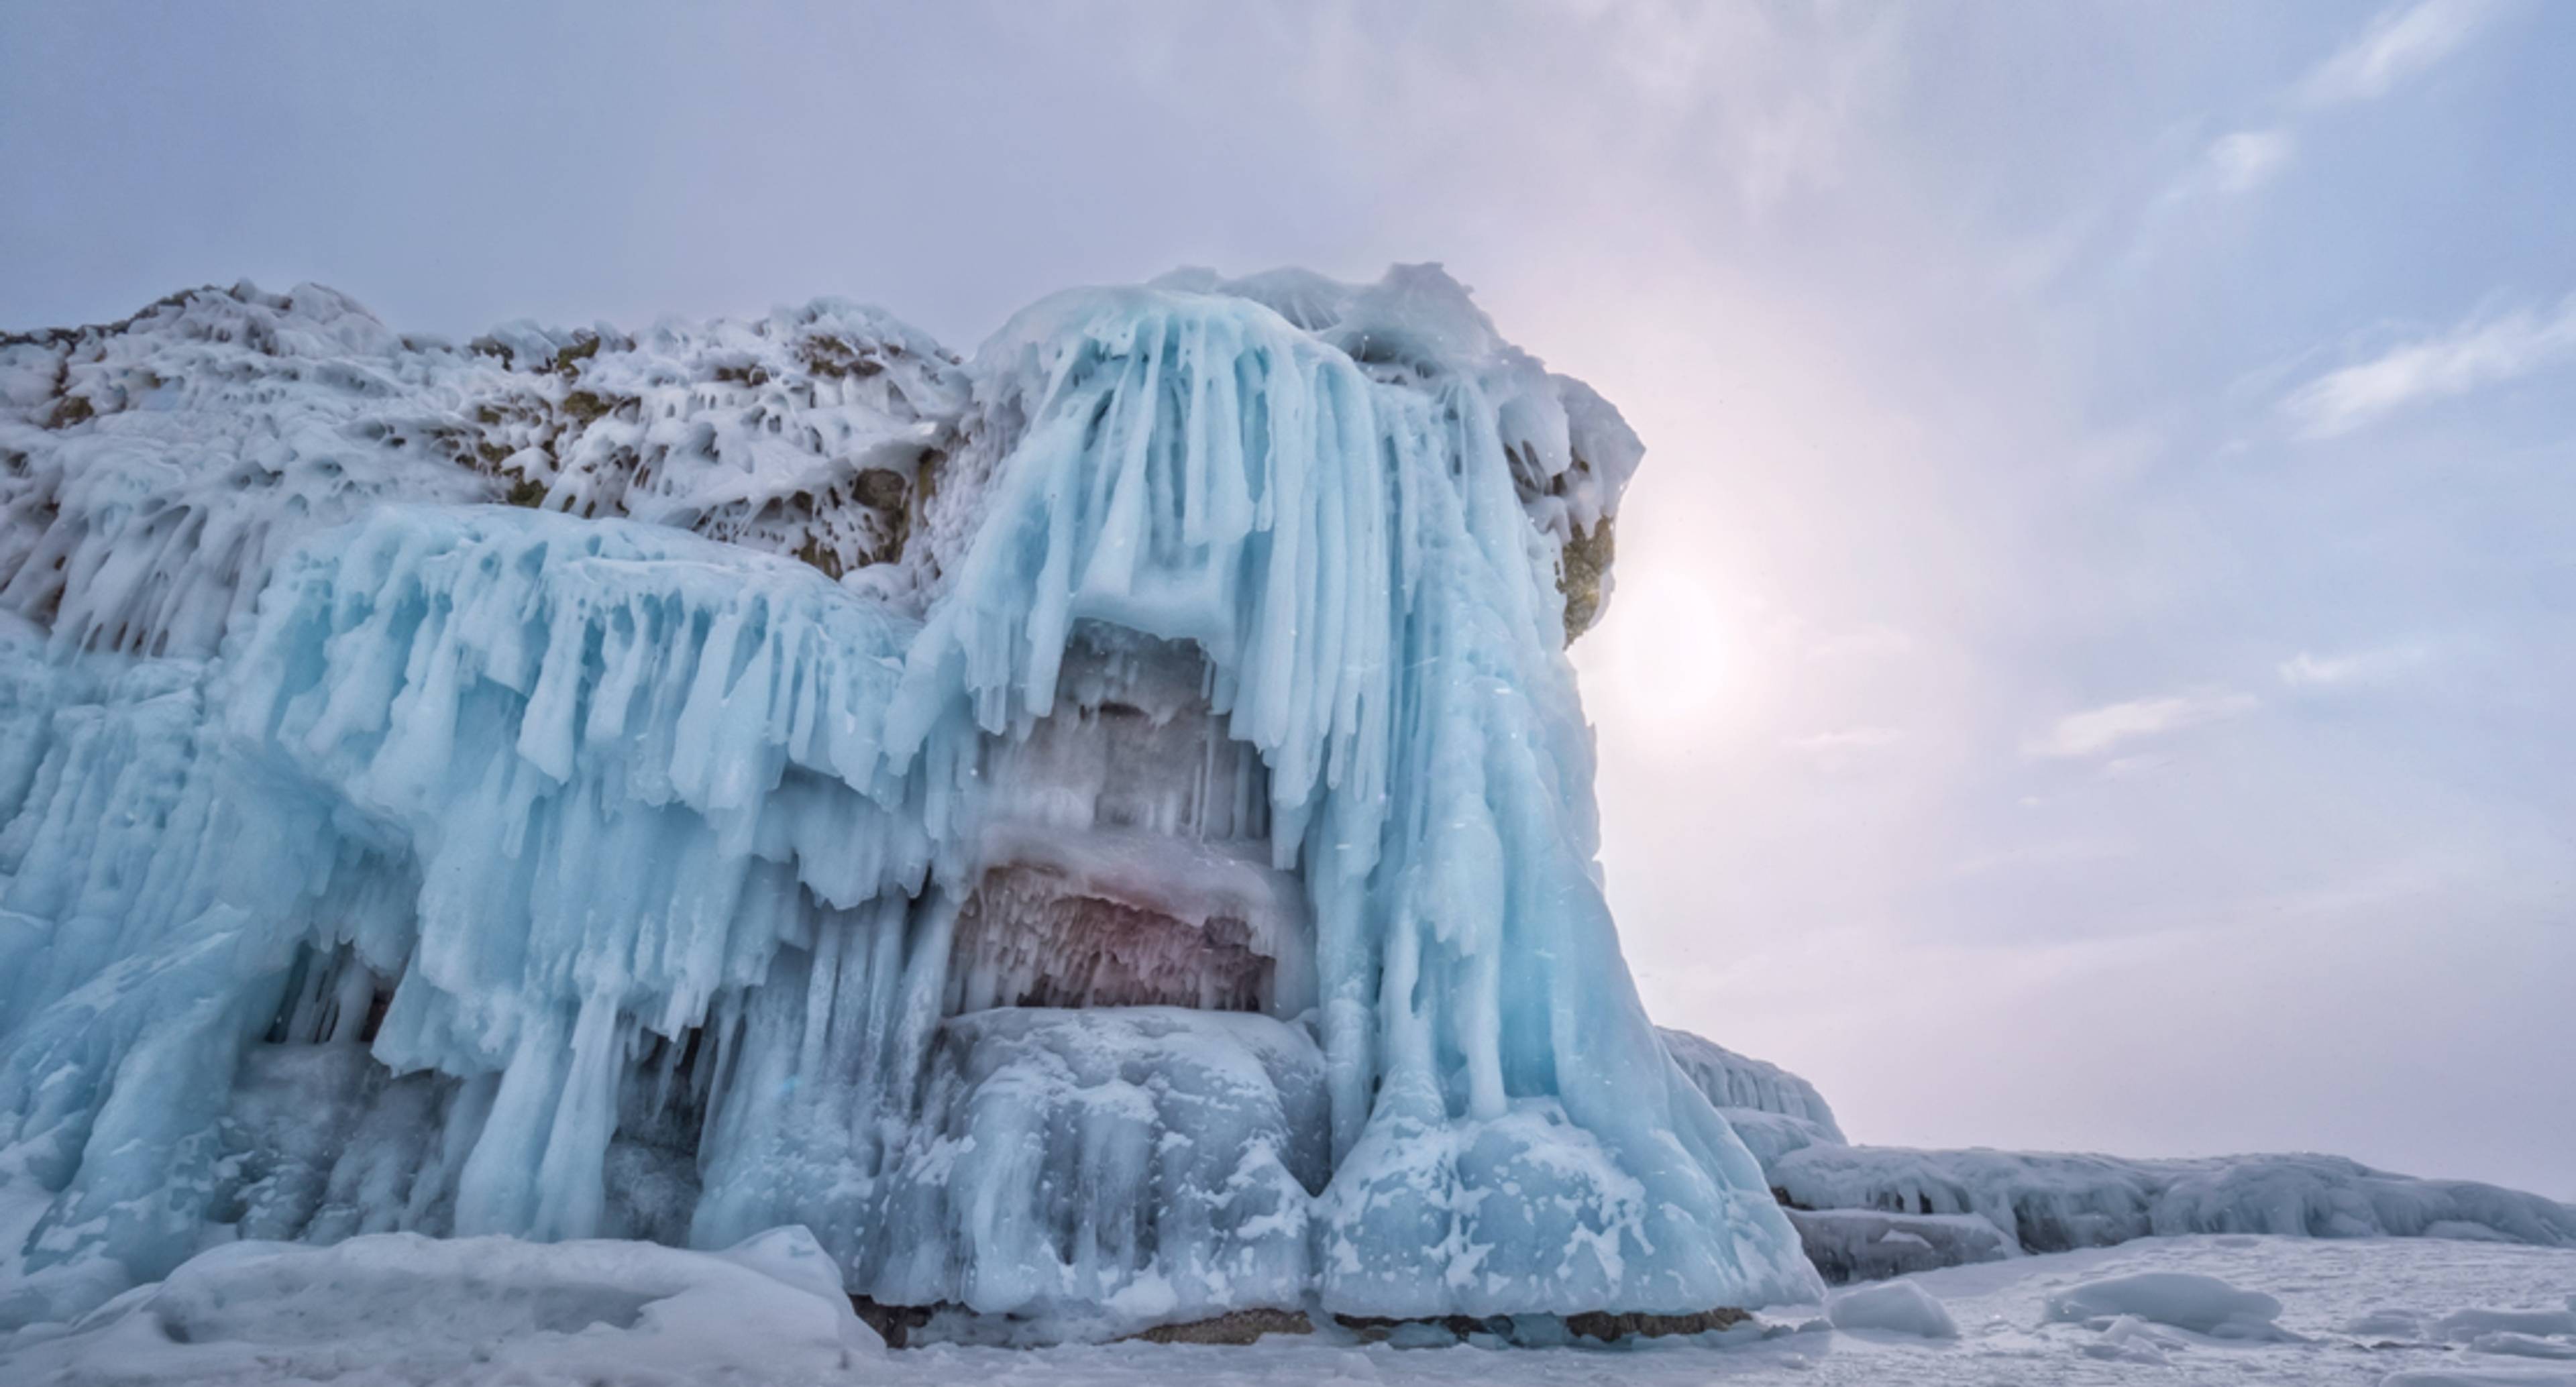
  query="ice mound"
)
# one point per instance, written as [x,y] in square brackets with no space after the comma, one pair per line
[540,872]
[1893,1307]
[400,1308]
[2180,1299]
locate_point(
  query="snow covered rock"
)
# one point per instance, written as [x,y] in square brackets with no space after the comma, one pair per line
[152,471]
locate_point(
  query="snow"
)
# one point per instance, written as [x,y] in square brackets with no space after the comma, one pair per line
[2473,1323]
[1895,1307]
[2477,1377]
[378,864]
[511,1301]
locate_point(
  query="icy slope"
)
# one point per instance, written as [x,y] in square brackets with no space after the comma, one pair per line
[490,870]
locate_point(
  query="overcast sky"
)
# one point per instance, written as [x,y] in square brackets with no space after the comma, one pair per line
[2095,642]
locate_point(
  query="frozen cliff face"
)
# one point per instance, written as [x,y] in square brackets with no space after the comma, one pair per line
[1157,878]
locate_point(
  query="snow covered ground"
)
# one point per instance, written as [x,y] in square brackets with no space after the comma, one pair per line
[398,1309]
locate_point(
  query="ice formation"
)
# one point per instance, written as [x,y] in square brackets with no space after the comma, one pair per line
[1774,1111]
[1868,1212]
[1101,834]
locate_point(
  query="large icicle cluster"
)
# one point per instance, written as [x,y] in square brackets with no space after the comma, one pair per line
[1161,882]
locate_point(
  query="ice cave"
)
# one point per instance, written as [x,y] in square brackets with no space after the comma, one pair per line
[1099,833]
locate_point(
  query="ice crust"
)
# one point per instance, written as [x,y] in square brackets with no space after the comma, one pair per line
[483,870]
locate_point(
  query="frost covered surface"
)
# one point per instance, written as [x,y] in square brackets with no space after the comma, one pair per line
[375,864]
[2357,1313]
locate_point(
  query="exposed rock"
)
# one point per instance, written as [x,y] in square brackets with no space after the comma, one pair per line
[1605,1326]
[1235,1327]
[1584,574]
[893,1323]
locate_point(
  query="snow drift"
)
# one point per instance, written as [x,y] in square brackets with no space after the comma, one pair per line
[1101,834]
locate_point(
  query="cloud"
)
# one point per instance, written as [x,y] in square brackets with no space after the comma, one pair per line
[2304,670]
[2247,160]
[2400,43]
[2476,354]
[2396,46]
[2097,730]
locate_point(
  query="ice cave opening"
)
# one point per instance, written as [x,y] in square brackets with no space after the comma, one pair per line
[1125,854]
